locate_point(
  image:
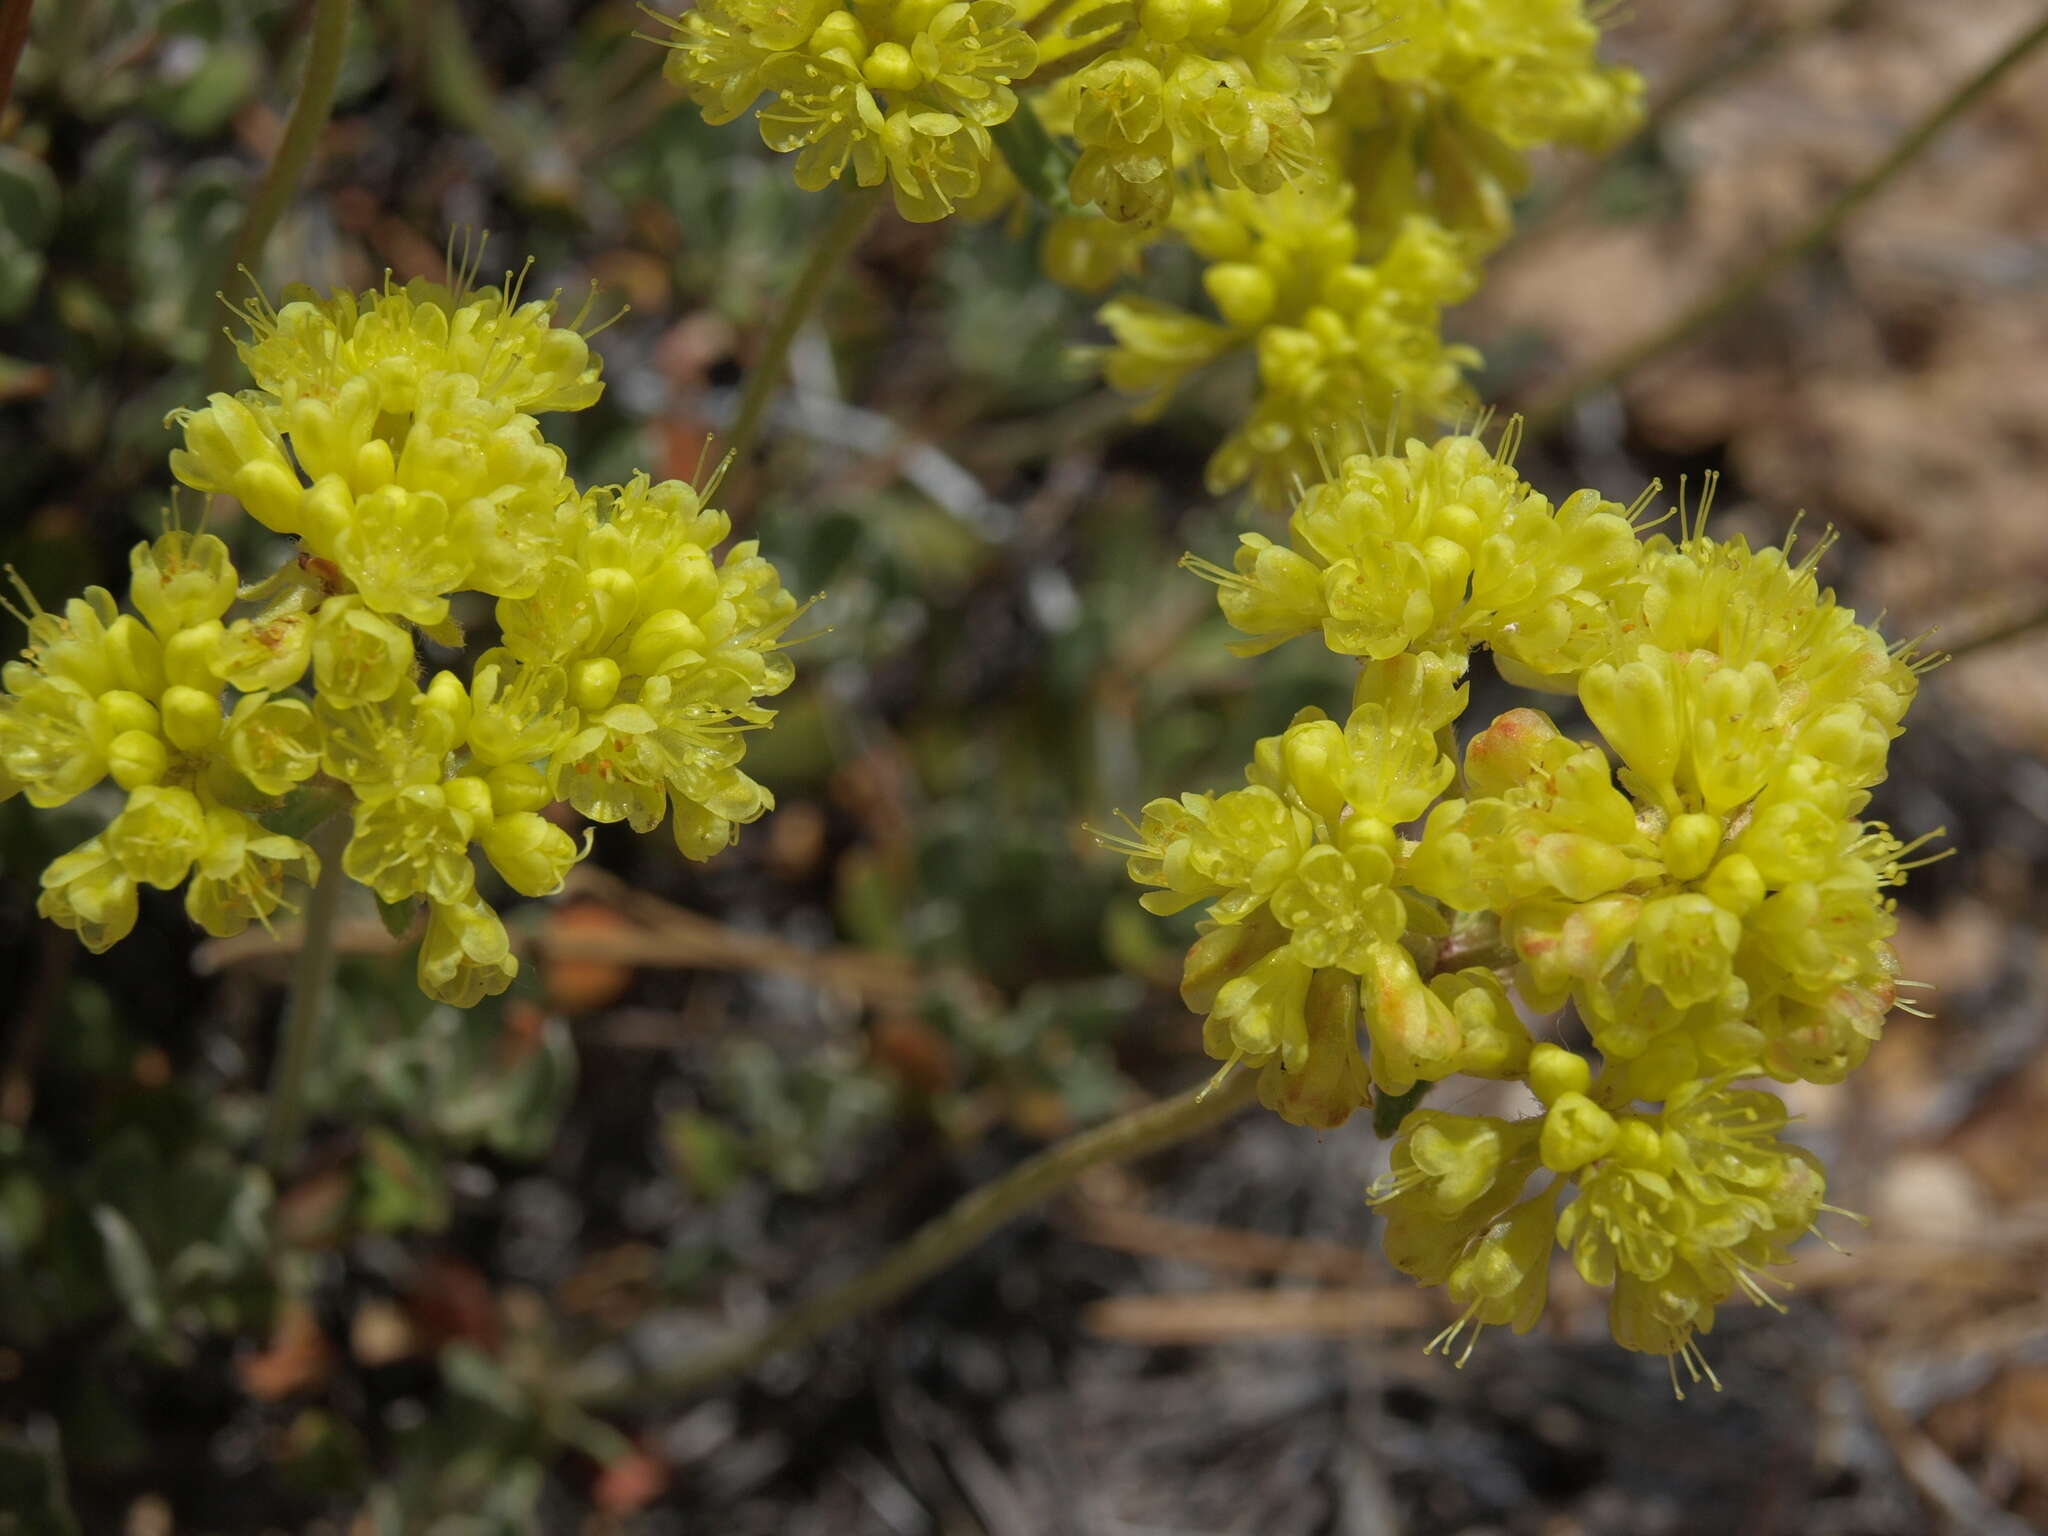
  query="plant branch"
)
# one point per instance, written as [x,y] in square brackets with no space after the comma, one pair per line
[857,209]
[309,114]
[1999,633]
[1737,292]
[936,1244]
[312,985]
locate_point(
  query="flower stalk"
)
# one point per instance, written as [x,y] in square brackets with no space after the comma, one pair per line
[311,109]
[1743,287]
[856,211]
[933,1246]
[312,986]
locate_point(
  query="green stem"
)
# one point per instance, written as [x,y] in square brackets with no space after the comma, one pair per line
[857,209]
[1739,290]
[1999,633]
[312,984]
[1040,162]
[938,1242]
[310,111]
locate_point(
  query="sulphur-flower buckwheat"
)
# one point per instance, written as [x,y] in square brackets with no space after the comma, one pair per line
[1383,911]
[392,434]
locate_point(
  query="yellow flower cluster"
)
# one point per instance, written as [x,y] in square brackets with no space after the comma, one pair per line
[1711,903]
[391,434]
[1338,343]
[1441,122]
[902,91]
[1336,281]
[1341,168]
[1230,86]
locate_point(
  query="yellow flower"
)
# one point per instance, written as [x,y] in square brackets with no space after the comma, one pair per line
[88,891]
[466,955]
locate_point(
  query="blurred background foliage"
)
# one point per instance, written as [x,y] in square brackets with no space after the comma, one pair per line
[717,1087]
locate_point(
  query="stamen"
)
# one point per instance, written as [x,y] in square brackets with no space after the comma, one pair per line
[1510,439]
[1209,570]
[1221,1076]
[35,609]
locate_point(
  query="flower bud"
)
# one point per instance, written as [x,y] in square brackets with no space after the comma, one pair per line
[1359,832]
[1636,708]
[687,580]
[1508,752]
[1581,867]
[449,702]
[120,710]
[191,718]
[1690,843]
[1494,1042]
[840,31]
[1243,294]
[136,758]
[1735,885]
[469,798]
[891,68]
[1639,1144]
[593,683]
[1415,1036]
[1575,1132]
[666,640]
[1314,763]
[517,787]
[615,598]
[531,852]
[1555,1072]
[1166,20]
[189,654]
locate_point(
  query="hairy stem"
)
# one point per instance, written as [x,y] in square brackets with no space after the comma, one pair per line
[310,111]
[1744,286]
[857,209]
[312,983]
[938,1242]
